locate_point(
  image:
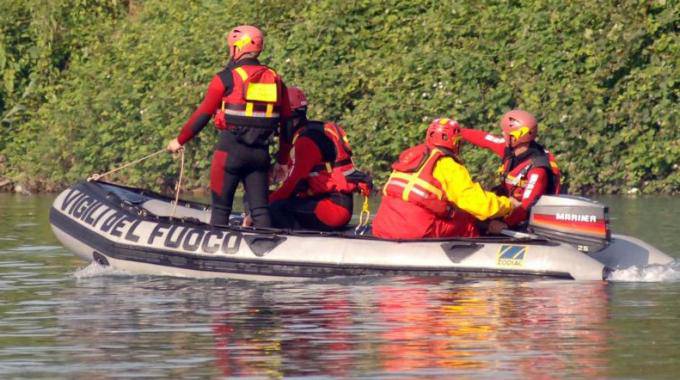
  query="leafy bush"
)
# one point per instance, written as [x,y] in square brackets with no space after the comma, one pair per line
[102,82]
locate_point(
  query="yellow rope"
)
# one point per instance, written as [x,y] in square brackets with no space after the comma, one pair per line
[96,176]
[179,182]
[364,217]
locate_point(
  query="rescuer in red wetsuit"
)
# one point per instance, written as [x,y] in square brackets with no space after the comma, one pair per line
[528,170]
[317,193]
[249,101]
[431,194]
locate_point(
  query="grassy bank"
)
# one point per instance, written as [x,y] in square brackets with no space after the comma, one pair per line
[89,84]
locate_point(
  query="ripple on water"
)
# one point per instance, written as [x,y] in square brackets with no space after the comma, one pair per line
[96,270]
[25,225]
[35,248]
[650,273]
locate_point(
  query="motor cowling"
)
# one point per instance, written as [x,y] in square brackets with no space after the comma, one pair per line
[578,221]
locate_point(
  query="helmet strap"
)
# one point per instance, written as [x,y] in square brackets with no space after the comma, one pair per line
[520,148]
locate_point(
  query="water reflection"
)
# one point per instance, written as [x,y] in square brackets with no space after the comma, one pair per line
[417,326]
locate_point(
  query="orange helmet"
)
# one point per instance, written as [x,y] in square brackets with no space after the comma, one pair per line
[297,99]
[244,39]
[443,133]
[518,127]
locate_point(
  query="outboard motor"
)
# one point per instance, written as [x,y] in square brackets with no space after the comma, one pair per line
[581,222]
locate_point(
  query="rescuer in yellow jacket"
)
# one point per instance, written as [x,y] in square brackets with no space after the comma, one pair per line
[431,194]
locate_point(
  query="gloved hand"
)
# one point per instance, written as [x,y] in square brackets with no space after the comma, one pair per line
[279,173]
[219,120]
[247,221]
[495,227]
[174,146]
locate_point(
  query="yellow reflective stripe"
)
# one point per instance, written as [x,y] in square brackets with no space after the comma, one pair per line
[387,183]
[413,180]
[407,188]
[512,180]
[329,168]
[331,131]
[242,73]
[223,106]
[270,109]
[422,183]
[249,109]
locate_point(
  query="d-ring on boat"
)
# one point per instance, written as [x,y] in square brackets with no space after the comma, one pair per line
[132,230]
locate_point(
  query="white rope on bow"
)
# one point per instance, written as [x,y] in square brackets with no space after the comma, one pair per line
[95,176]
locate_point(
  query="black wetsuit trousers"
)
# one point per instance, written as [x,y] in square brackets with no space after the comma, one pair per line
[327,212]
[234,162]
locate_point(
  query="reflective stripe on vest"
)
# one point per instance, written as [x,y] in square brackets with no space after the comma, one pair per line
[250,110]
[409,181]
[519,181]
[259,106]
[338,164]
[341,143]
[328,166]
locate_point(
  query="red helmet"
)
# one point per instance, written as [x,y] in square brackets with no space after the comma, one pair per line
[297,99]
[518,127]
[443,133]
[244,39]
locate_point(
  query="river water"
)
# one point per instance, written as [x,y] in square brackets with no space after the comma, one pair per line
[61,319]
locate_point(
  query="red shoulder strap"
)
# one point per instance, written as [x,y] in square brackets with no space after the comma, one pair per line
[412,159]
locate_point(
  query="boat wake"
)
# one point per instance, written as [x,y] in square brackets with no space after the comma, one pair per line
[96,270]
[651,273]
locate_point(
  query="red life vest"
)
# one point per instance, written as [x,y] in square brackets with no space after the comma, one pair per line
[412,180]
[333,175]
[514,181]
[254,100]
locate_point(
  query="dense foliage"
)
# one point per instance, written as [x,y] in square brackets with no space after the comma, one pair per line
[88,84]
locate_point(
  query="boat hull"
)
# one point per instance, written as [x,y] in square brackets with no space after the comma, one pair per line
[127,229]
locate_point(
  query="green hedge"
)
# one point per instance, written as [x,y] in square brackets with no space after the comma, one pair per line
[115,80]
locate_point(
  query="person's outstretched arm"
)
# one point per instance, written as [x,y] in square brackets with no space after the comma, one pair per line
[484,140]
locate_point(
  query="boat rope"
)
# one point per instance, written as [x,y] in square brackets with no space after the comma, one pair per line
[179,183]
[97,176]
[364,217]
[178,186]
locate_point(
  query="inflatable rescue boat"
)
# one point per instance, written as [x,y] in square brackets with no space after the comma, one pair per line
[142,232]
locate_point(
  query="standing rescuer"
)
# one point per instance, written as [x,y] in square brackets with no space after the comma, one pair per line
[431,194]
[528,169]
[317,193]
[249,102]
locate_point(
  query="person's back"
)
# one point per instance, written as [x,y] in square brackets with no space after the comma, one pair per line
[248,101]
[317,193]
[431,194]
